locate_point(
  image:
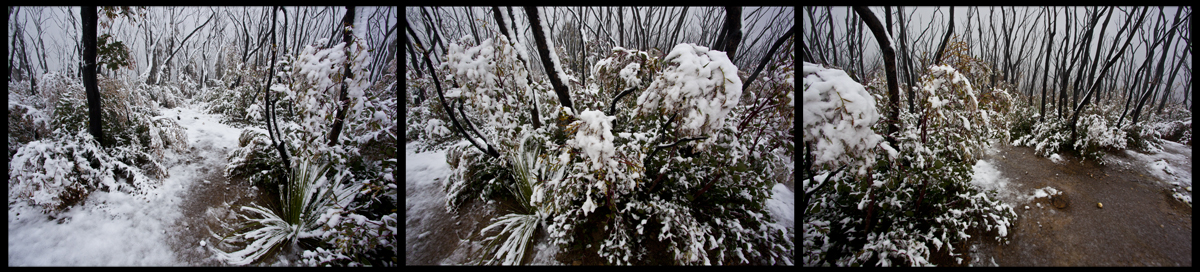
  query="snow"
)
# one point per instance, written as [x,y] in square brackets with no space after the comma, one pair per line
[782,205]
[701,84]
[629,73]
[986,177]
[838,114]
[1171,166]
[594,137]
[116,228]
[1056,158]
[550,44]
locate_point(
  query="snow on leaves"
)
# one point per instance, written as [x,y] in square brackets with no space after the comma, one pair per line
[838,114]
[701,84]
[594,136]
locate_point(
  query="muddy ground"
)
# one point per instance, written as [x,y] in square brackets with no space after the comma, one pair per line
[1140,224]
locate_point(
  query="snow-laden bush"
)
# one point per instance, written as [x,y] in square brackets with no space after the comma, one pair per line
[838,114]
[254,159]
[57,172]
[674,174]
[1143,137]
[904,211]
[1048,137]
[362,157]
[1096,135]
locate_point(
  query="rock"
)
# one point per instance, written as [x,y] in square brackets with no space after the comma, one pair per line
[1060,200]
[202,243]
[1026,207]
[1101,205]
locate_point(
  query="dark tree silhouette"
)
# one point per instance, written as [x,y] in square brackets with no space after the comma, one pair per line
[90,17]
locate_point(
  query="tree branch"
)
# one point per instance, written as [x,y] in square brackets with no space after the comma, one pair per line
[189,36]
[767,58]
[613,107]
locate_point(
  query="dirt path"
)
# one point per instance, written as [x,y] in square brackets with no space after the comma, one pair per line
[209,198]
[1140,224]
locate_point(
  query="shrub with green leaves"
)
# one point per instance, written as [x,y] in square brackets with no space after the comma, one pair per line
[664,167]
[902,212]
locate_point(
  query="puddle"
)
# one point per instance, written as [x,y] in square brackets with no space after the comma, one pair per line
[1140,224]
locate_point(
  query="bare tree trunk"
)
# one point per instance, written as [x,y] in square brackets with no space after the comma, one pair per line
[275,132]
[733,26]
[90,17]
[1087,97]
[682,17]
[889,58]
[1046,72]
[347,37]
[767,58]
[544,51]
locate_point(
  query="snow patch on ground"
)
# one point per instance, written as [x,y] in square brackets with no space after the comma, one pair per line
[988,178]
[1056,158]
[1172,166]
[115,228]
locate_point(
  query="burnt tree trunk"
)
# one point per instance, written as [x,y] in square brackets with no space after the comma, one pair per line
[347,37]
[90,17]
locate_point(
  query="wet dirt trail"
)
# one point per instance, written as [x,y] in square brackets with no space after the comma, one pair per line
[1140,224]
[209,199]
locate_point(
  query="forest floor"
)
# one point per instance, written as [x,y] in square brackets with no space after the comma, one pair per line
[1141,223]
[434,236]
[164,227]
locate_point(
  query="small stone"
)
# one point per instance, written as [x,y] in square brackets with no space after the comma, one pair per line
[202,243]
[1101,205]
[1026,207]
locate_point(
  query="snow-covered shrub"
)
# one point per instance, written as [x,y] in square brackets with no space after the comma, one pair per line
[304,210]
[255,159]
[1095,135]
[1177,131]
[704,95]
[838,114]
[1047,137]
[903,211]
[232,104]
[426,123]
[25,124]
[673,174]
[1142,137]
[306,104]
[57,172]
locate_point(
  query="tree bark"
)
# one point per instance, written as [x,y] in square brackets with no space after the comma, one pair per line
[682,17]
[907,60]
[733,25]
[889,58]
[544,51]
[500,21]
[347,37]
[1046,72]
[90,17]
[275,133]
